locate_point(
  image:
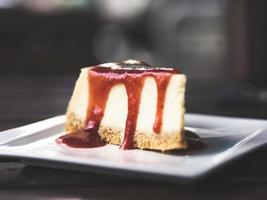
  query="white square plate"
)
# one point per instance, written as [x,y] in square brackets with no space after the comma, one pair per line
[226,139]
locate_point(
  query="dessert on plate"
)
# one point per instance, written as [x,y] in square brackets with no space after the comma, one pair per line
[130,104]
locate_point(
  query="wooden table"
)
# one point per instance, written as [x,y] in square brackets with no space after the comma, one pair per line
[24,100]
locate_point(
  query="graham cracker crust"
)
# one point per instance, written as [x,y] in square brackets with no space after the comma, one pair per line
[144,141]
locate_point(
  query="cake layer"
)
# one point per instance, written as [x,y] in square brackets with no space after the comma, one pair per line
[158,126]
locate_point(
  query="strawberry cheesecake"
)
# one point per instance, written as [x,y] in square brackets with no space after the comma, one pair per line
[130,104]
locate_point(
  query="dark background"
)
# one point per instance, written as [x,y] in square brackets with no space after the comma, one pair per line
[207,39]
[220,45]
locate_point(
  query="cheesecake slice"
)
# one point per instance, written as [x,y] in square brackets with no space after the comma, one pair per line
[130,104]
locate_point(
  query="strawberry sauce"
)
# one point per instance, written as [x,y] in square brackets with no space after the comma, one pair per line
[101,79]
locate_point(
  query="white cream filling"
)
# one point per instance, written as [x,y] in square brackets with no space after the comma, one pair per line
[117,107]
[173,113]
[147,107]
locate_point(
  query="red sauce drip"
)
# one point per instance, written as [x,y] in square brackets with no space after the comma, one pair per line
[101,80]
[162,84]
[194,144]
[134,87]
[81,139]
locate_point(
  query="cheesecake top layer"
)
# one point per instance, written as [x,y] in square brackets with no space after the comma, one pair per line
[132,74]
[132,67]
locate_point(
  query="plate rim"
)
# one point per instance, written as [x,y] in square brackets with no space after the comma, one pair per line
[57,120]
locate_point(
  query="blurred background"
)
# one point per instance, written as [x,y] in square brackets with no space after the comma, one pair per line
[221,45]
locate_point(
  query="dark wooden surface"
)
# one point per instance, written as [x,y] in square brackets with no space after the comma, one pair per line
[24,100]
